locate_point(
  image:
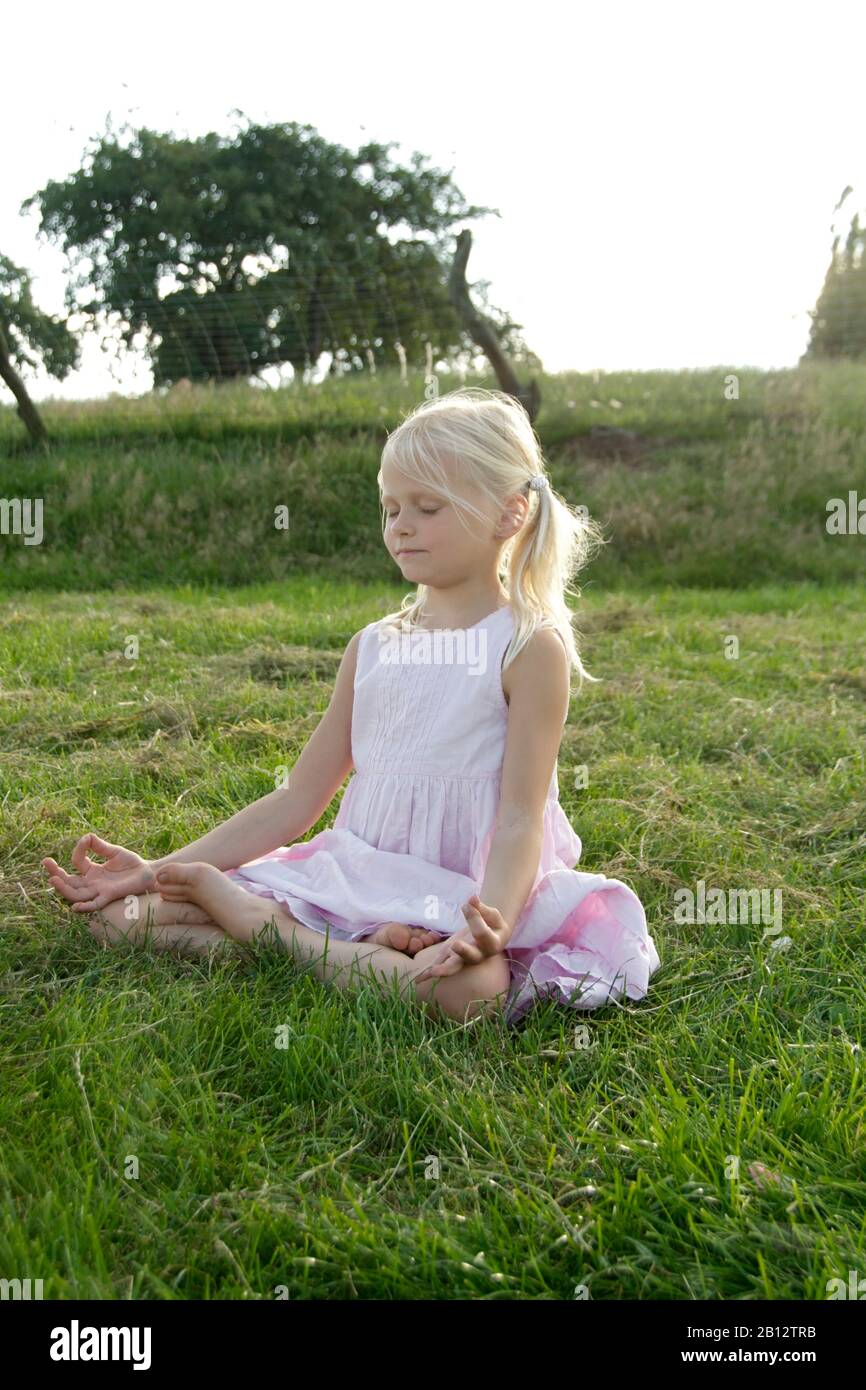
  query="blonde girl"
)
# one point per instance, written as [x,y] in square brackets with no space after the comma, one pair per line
[448,873]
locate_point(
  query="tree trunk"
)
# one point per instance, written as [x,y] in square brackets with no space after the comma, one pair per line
[26,409]
[483,333]
[315,323]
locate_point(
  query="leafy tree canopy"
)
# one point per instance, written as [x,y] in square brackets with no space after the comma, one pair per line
[32,337]
[228,255]
[839,317]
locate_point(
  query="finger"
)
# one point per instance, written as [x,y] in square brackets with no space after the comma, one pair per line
[447,964]
[426,974]
[74,887]
[469,948]
[482,934]
[449,967]
[80,857]
[476,922]
[458,952]
[468,952]
[56,871]
[51,866]
[93,842]
[491,915]
[73,892]
[98,845]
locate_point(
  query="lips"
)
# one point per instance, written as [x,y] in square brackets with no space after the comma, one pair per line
[410,552]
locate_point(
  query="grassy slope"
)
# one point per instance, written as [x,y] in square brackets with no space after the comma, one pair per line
[714,492]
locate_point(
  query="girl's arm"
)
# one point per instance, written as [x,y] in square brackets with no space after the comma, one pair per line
[538,697]
[537,711]
[285,815]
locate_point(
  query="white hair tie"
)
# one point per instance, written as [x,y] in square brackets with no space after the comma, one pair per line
[538,482]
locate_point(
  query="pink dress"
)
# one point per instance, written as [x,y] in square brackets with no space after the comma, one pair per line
[413,832]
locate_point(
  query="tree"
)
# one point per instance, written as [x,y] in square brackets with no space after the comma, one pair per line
[229,255]
[26,335]
[483,333]
[839,317]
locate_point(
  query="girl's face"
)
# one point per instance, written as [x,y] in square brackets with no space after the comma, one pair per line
[423,532]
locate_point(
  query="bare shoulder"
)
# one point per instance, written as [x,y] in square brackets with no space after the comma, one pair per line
[344,684]
[541,667]
[351,651]
[349,660]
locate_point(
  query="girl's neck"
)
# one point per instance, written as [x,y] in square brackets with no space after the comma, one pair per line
[465,616]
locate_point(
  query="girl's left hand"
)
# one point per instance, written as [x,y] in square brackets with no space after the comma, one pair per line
[488,935]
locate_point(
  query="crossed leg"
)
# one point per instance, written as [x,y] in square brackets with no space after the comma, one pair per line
[182,927]
[193,927]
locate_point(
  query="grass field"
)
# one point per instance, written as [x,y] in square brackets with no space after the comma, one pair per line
[705,491]
[705,1143]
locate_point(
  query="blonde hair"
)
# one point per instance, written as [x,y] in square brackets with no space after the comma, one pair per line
[491,434]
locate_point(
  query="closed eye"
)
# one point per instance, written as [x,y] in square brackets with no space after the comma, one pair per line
[425,511]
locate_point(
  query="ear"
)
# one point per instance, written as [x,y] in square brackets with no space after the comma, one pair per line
[512,516]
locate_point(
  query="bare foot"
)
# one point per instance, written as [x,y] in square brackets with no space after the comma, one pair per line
[402,938]
[232,907]
[243,916]
[205,886]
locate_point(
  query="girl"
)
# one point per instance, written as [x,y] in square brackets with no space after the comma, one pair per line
[449,867]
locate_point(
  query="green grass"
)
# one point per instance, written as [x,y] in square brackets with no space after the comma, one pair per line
[182,490]
[312,1166]
[558,1165]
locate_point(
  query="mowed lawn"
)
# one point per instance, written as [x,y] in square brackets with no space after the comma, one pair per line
[705,1143]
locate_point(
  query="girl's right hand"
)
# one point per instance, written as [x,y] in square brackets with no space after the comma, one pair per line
[123,873]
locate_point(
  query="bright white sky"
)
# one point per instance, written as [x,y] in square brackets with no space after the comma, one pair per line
[666,172]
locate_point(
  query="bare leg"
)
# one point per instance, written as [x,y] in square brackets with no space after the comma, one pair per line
[347,964]
[181,927]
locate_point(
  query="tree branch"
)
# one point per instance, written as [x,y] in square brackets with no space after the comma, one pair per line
[483,333]
[26,408]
